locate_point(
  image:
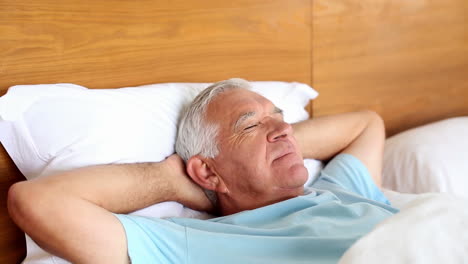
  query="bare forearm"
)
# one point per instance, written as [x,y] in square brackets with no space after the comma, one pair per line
[116,188]
[324,137]
[126,187]
[361,134]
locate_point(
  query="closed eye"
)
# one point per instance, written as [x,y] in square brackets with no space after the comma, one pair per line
[250,127]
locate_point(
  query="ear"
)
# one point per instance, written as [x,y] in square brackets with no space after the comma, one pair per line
[201,172]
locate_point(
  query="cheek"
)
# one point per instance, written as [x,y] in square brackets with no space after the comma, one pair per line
[248,147]
[245,164]
[250,159]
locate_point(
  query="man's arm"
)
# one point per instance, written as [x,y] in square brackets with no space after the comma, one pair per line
[361,134]
[70,214]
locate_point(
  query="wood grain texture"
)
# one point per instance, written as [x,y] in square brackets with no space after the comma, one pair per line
[103,44]
[12,243]
[407,60]
[117,43]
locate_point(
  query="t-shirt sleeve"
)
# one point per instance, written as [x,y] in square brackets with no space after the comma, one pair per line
[349,173]
[154,240]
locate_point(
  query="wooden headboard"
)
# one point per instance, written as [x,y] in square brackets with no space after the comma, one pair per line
[407,60]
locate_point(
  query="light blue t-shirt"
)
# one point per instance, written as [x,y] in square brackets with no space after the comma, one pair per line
[342,205]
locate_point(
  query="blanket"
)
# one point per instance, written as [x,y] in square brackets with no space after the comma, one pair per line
[429,229]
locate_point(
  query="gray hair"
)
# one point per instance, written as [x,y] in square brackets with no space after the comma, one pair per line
[197,136]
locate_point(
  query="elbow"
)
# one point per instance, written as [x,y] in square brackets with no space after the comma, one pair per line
[373,115]
[20,203]
[376,122]
[15,201]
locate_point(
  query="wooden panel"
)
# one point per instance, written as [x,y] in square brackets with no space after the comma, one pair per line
[114,43]
[407,60]
[12,240]
[12,243]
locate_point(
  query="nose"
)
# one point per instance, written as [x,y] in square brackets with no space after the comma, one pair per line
[278,130]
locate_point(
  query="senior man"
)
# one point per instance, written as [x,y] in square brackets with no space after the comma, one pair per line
[237,147]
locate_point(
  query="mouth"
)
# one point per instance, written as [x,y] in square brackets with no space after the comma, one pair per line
[283,156]
[285,152]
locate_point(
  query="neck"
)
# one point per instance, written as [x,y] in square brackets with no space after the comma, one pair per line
[229,204]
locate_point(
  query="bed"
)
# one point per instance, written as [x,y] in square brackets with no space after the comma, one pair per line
[406,60]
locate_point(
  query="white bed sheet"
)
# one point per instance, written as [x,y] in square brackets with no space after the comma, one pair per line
[429,229]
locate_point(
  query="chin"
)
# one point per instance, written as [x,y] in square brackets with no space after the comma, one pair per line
[297,176]
[300,173]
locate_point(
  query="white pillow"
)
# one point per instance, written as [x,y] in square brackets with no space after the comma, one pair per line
[430,158]
[55,127]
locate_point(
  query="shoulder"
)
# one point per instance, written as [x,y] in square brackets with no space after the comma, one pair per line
[349,173]
[148,239]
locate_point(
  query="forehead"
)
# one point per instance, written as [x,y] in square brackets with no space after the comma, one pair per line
[229,105]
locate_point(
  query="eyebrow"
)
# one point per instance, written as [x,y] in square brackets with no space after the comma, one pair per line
[248,115]
[278,110]
[242,118]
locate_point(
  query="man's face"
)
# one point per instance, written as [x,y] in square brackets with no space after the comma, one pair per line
[259,160]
